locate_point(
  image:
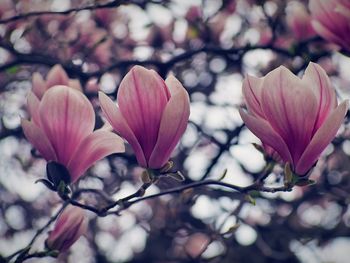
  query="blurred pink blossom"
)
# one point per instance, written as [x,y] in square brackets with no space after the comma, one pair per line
[196,244]
[56,76]
[299,21]
[331,20]
[296,117]
[151,115]
[61,129]
[230,6]
[92,85]
[89,41]
[69,227]
[106,17]
[6,9]
[194,13]
[266,38]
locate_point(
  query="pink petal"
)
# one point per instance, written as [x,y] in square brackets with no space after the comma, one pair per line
[70,216]
[173,123]
[33,108]
[252,94]
[316,79]
[262,129]
[271,152]
[327,34]
[329,23]
[299,21]
[142,98]
[96,146]
[70,225]
[325,12]
[344,8]
[73,233]
[56,76]
[39,85]
[67,117]
[316,7]
[290,108]
[39,139]
[344,4]
[160,82]
[322,138]
[116,119]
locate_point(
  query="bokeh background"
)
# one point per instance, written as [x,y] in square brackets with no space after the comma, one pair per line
[209,46]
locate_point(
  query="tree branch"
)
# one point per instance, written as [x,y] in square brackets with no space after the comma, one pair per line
[23,253]
[126,202]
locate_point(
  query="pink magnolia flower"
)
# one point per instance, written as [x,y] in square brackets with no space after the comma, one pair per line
[61,129]
[331,20]
[152,114]
[69,227]
[295,117]
[56,76]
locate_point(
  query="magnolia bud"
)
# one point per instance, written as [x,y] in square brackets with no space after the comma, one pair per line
[70,225]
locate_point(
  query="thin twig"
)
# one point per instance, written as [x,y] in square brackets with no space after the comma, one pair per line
[24,252]
[243,190]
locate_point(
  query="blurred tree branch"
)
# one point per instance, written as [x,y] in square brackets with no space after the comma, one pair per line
[112,4]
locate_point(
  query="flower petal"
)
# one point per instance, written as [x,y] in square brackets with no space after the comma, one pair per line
[316,78]
[322,138]
[33,107]
[93,148]
[252,94]
[116,119]
[343,8]
[56,76]
[70,225]
[39,139]
[173,123]
[290,107]
[142,98]
[327,33]
[67,117]
[39,85]
[71,235]
[328,22]
[262,129]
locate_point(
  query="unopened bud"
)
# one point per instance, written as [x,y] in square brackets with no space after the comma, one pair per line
[70,225]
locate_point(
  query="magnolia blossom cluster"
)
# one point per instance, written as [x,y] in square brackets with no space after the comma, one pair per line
[152,115]
[295,119]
